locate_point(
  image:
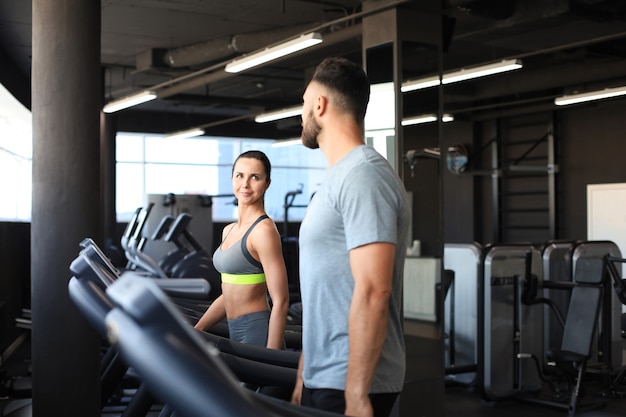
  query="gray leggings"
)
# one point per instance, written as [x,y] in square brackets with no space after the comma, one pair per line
[251,328]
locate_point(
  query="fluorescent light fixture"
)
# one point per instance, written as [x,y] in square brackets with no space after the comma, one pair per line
[200,130]
[418,84]
[462,75]
[129,101]
[278,114]
[286,142]
[426,118]
[183,134]
[589,96]
[273,52]
[482,71]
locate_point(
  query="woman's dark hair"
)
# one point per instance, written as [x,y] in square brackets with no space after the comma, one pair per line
[258,155]
[348,81]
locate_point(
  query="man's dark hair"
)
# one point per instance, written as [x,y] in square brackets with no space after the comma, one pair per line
[349,81]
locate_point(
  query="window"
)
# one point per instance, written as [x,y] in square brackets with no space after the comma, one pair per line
[149,164]
[153,165]
[16,156]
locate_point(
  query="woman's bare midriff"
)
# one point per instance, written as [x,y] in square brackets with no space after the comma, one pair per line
[240,300]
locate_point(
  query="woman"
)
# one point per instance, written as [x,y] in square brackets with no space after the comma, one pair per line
[250,260]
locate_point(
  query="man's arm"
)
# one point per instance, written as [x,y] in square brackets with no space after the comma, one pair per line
[372,269]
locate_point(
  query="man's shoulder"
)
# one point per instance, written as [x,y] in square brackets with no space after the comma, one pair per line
[364,158]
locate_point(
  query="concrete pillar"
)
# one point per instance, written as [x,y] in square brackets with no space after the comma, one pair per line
[66,103]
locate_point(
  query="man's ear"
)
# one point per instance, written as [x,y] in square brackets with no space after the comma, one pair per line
[321,105]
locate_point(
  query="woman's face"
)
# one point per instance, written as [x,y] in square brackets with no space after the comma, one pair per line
[249,180]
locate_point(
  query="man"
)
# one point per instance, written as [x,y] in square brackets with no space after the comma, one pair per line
[352,248]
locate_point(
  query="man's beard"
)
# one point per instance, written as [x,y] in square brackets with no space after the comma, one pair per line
[310,131]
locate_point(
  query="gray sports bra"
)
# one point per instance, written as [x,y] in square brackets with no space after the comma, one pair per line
[236,264]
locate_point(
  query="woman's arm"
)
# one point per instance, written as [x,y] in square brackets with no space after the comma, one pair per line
[269,249]
[213,315]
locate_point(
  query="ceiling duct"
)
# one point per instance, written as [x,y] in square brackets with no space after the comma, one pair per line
[332,38]
[198,53]
[212,50]
[600,10]
[489,9]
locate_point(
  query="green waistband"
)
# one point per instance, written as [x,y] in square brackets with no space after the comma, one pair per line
[243,279]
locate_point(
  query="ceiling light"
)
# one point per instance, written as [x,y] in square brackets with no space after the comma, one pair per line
[129,101]
[589,96]
[462,75]
[425,118]
[481,71]
[419,83]
[200,130]
[183,134]
[287,142]
[278,114]
[273,52]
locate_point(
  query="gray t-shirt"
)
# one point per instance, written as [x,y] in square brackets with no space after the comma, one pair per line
[361,201]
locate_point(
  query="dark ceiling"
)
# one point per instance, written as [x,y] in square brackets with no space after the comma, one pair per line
[183,45]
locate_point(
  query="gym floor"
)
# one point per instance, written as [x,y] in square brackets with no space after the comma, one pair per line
[424,352]
[423,387]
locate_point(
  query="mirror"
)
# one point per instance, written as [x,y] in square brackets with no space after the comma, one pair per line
[457,158]
[397,44]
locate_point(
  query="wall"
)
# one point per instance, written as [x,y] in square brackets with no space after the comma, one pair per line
[593,152]
[589,150]
[14,278]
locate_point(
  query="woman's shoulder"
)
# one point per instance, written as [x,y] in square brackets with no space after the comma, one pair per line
[265,221]
[264,225]
[226,229]
[229,226]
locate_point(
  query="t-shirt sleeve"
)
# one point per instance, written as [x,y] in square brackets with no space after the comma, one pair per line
[369,207]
